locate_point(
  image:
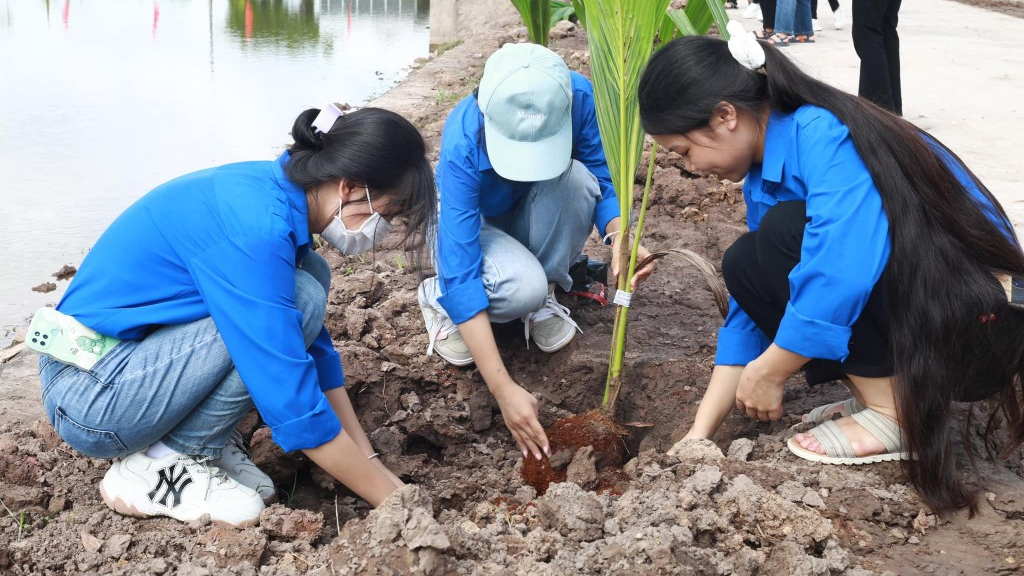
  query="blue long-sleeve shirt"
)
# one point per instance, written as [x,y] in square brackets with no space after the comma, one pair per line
[470,189]
[809,155]
[220,243]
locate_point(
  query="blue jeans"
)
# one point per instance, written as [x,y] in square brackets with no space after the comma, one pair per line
[534,244]
[794,17]
[177,384]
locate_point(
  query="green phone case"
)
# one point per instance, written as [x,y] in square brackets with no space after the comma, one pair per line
[63,338]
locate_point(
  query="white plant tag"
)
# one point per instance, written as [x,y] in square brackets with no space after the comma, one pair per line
[623,298]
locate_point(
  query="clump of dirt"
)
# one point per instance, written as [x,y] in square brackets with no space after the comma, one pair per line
[45,287]
[746,506]
[589,447]
[66,272]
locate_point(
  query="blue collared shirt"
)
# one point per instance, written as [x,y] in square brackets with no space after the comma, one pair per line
[809,155]
[470,190]
[220,243]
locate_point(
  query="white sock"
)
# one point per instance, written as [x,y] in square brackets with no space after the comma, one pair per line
[159,450]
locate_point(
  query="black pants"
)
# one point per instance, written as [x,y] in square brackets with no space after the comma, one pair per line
[878,45]
[833,4]
[768,14]
[756,270]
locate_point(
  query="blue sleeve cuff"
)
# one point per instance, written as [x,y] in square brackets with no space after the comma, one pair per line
[739,347]
[464,301]
[310,430]
[813,338]
[607,210]
[329,372]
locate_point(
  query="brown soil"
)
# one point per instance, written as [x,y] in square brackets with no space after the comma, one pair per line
[589,447]
[742,506]
[1008,7]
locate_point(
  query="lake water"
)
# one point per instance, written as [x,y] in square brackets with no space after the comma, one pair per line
[102,100]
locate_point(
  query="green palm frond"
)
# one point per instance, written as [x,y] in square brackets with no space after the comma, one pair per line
[621,37]
[537,17]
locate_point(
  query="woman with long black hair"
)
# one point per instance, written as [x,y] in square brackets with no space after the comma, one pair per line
[205,298]
[872,259]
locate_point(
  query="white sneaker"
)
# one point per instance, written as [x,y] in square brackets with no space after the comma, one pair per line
[178,486]
[236,461]
[445,338]
[551,326]
[838,21]
[815,26]
[753,12]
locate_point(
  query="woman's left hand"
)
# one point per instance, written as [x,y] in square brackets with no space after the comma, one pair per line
[759,394]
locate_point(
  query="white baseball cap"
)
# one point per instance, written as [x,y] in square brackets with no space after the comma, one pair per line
[526,98]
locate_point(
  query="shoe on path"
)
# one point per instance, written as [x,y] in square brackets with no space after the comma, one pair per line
[178,486]
[753,12]
[445,338]
[838,20]
[839,450]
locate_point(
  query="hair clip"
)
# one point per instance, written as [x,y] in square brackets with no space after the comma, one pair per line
[326,118]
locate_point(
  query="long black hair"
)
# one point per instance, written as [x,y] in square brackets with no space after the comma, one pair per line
[374,146]
[945,248]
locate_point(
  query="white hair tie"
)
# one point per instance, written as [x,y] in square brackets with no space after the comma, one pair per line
[744,46]
[326,118]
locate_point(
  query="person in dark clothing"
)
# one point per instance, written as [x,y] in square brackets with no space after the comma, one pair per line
[878,46]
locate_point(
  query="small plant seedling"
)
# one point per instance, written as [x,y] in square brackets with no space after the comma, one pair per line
[399,262]
[289,495]
[19,518]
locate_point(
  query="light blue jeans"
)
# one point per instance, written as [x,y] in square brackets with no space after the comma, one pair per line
[534,244]
[177,385]
[794,17]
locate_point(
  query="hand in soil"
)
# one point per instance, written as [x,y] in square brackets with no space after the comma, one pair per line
[520,410]
[759,395]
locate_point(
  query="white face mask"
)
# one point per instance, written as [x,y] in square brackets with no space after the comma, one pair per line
[354,242]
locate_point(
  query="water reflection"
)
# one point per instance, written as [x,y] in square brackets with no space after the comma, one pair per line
[275,23]
[105,99]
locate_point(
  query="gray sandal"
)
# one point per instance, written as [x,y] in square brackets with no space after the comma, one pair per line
[839,450]
[846,408]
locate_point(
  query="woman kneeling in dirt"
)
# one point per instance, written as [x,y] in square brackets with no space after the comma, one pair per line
[211,284]
[870,259]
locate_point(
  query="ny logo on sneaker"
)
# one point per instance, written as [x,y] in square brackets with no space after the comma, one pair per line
[175,483]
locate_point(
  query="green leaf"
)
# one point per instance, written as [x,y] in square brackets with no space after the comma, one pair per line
[703,13]
[536,15]
[682,23]
[561,10]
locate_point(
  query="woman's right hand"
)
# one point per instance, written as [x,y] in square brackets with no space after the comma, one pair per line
[520,411]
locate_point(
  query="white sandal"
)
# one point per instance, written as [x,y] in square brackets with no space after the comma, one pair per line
[839,450]
[846,408]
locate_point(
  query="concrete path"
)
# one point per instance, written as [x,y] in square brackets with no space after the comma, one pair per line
[963,81]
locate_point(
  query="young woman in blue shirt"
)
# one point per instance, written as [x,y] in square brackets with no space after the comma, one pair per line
[523,181]
[211,283]
[871,259]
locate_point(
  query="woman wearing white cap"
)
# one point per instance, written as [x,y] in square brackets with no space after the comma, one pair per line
[205,298]
[523,180]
